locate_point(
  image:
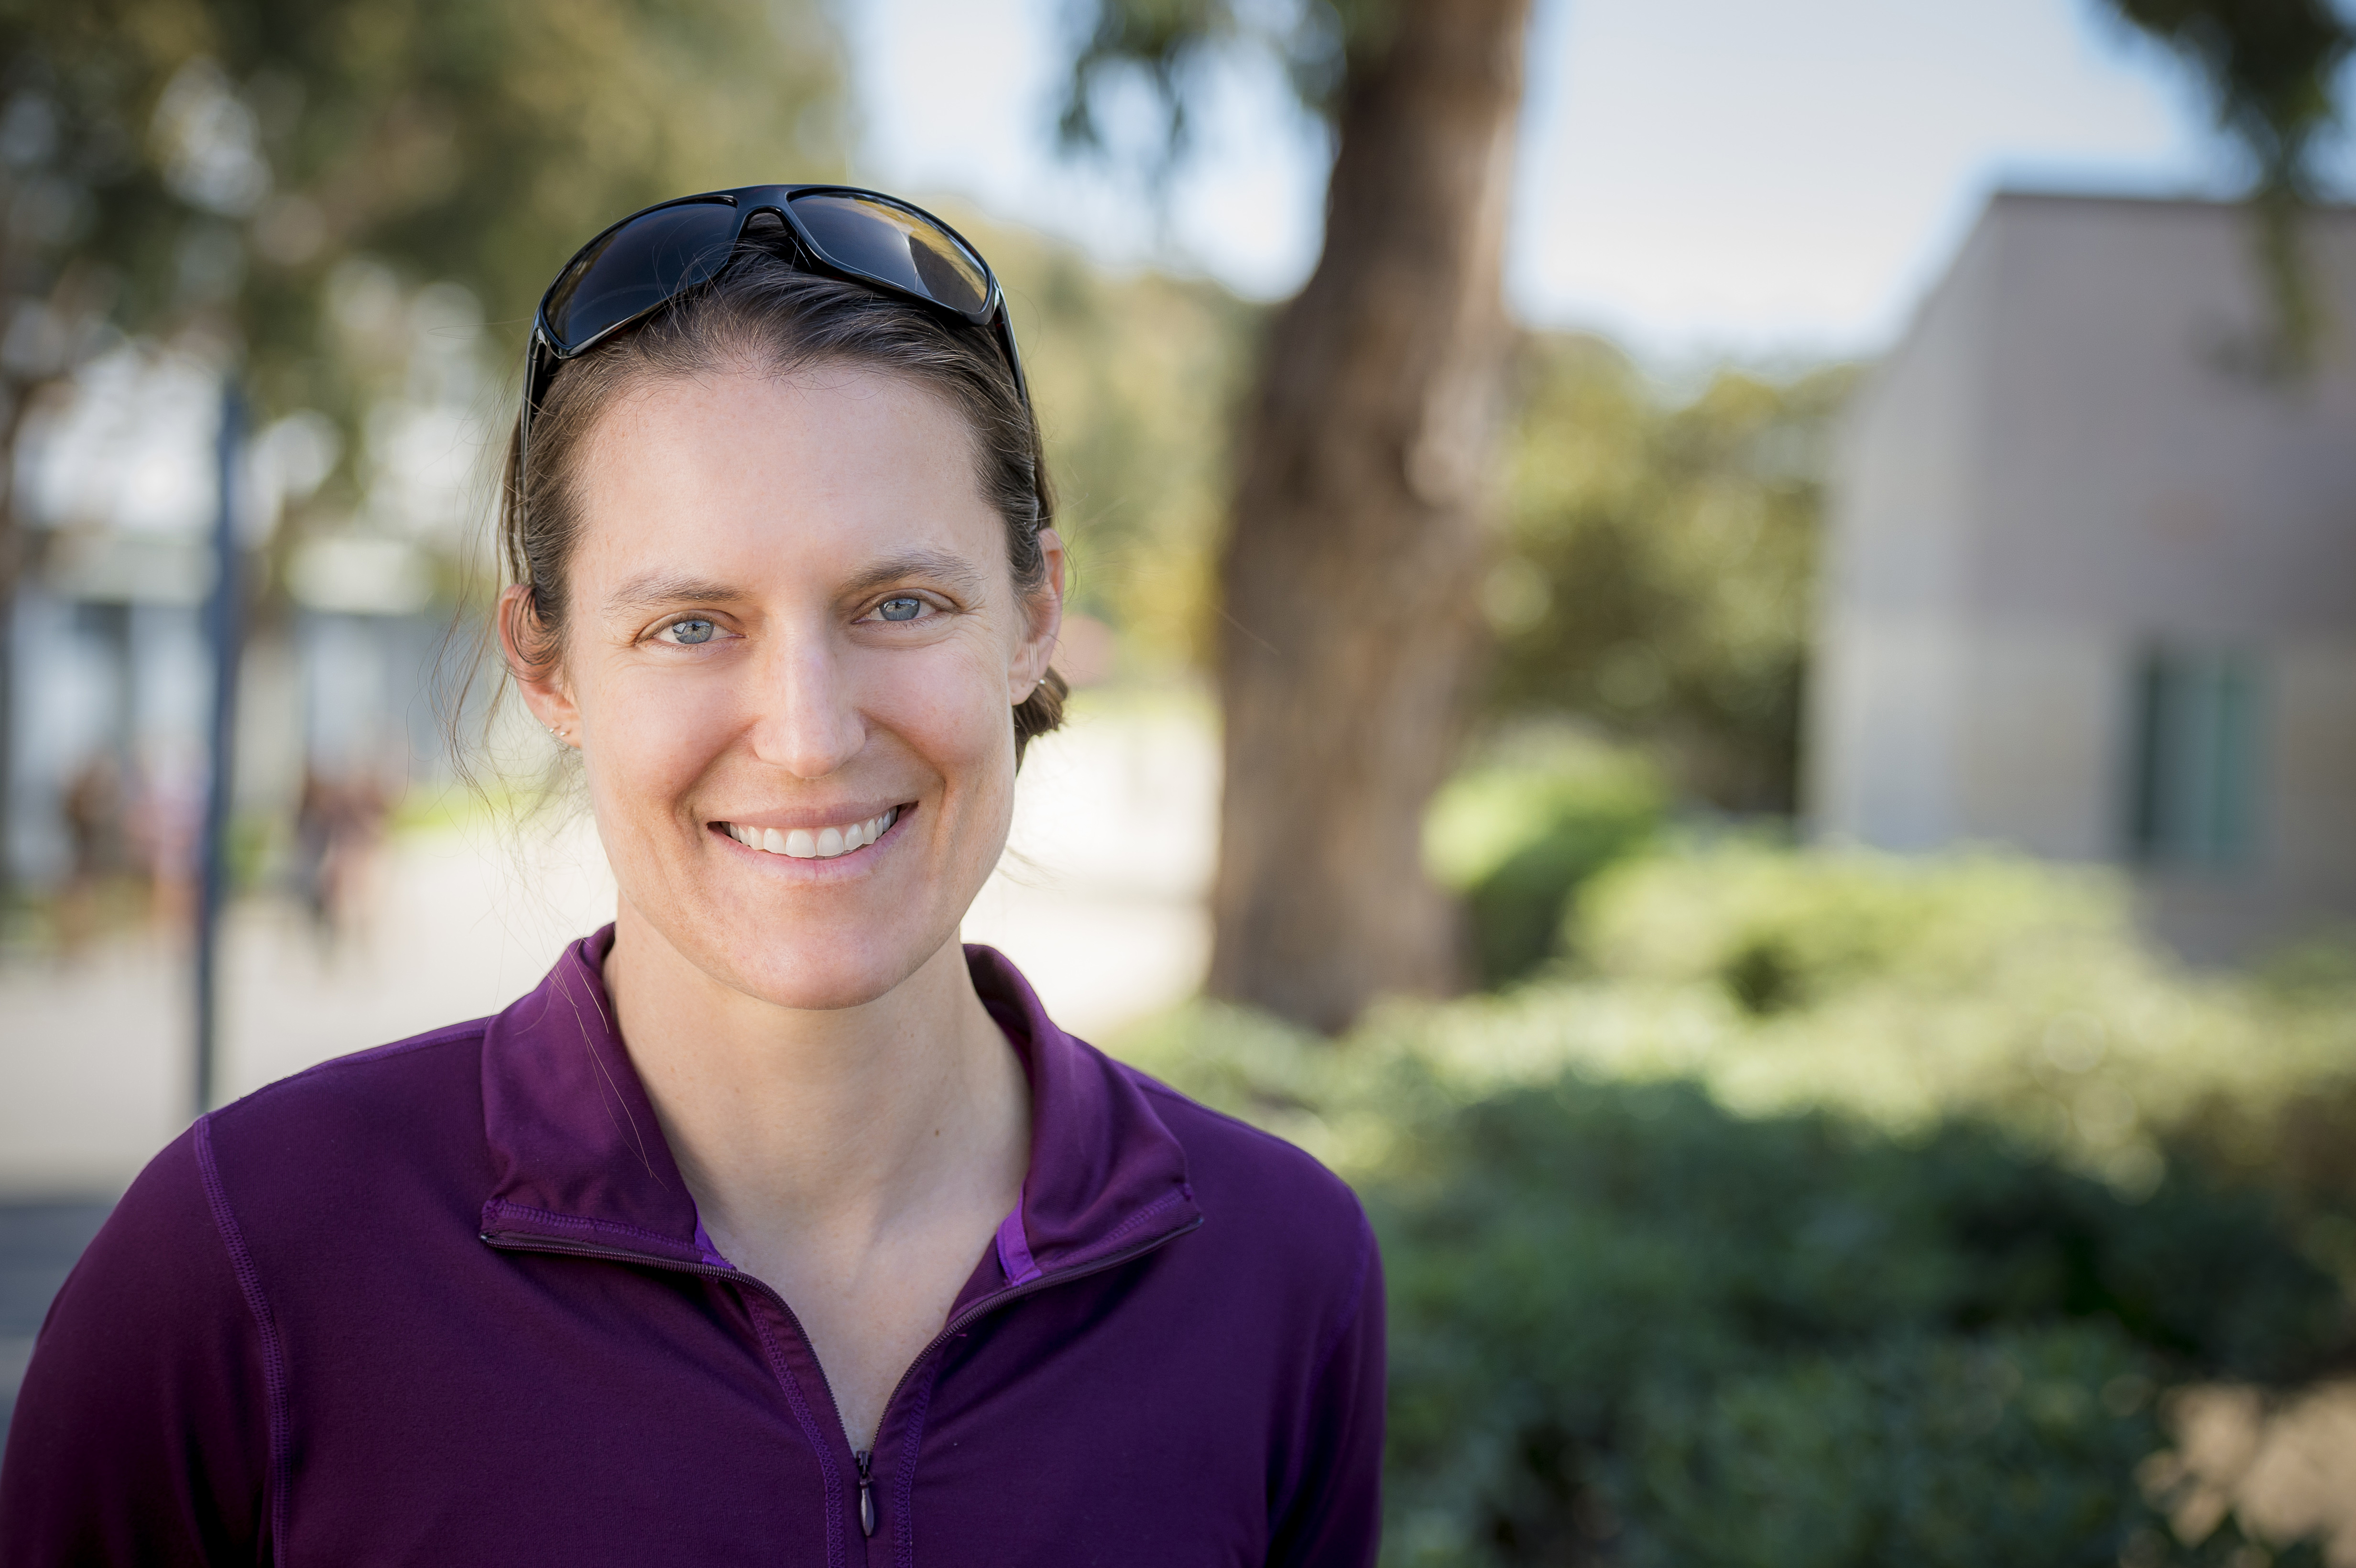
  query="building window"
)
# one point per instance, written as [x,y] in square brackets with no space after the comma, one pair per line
[2195,758]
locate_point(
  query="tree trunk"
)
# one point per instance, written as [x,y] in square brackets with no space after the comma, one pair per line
[1360,532]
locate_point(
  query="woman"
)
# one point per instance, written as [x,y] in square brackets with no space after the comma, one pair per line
[773,1226]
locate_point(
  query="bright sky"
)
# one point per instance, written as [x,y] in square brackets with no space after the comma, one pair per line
[1698,177]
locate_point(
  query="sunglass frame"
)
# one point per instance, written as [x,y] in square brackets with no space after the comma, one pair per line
[544,352]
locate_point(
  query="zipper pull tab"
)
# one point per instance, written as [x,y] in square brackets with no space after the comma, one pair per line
[866,1496]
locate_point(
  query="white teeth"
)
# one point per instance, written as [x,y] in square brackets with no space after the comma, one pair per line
[823,845]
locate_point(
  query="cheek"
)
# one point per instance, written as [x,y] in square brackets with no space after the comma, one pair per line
[952,710]
[649,740]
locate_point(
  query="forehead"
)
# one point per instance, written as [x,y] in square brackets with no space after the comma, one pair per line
[762,477]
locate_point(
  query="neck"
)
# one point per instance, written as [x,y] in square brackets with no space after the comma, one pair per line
[843,1123]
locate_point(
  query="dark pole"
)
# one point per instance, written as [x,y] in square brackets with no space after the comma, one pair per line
[224,630]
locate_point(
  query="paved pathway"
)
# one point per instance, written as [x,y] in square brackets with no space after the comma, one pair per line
[1099,900]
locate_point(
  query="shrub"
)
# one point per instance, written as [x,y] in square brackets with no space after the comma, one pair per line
[1823,923]
[1883,1259]
[1515,838]
[1623,1316]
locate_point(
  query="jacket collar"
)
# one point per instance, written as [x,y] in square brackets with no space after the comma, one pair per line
[579,1160]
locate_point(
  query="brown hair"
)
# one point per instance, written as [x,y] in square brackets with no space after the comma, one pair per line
[761,311]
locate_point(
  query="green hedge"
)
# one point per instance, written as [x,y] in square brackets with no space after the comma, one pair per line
[1623,1317]
[1890,1260]
[1517,837]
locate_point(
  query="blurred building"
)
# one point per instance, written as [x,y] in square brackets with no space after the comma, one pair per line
[2091,580]
[343,676]
[113,673]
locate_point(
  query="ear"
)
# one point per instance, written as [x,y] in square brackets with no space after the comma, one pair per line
[1045,606]
[539,679]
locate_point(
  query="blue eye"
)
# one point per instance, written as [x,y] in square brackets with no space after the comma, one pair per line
[691,632]
[901,609]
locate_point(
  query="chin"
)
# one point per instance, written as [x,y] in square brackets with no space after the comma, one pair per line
[811,964]
[824,977]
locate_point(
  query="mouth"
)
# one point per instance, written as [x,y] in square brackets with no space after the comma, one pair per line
[807,844]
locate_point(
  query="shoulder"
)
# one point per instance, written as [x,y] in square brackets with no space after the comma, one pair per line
[167,1346]
[1263,1191]
[386,1090]
[353,1137]
[1284,1171]
[148,1388]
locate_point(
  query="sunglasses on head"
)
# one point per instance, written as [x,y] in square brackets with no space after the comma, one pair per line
[652,257]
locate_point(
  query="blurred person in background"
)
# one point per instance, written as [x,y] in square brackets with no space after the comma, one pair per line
[92,810]
[339,830]
[774,1221]
[164,824]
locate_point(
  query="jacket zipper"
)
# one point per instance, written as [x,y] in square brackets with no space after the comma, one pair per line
[866,1491]
[957,1325]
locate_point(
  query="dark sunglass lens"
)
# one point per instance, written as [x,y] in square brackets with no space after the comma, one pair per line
[637,267]
[895,246]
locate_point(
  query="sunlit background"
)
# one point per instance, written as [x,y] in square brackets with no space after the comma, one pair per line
[1699,178]
[1903,847]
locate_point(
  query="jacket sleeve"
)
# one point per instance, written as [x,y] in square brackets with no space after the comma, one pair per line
[142,1432]
[1335,1517]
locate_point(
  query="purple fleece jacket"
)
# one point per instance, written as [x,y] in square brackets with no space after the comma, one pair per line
[448,1301]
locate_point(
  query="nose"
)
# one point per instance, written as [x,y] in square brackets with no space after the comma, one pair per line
[807,720]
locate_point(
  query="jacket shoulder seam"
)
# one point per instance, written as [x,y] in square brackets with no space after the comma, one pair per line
[273,1355]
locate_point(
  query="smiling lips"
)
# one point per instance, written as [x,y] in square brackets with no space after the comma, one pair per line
[804,845]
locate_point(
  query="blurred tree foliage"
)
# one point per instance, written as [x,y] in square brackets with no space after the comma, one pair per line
[1136,376]
[2270,67]
[1659,562]
[1173,44]
[172,164]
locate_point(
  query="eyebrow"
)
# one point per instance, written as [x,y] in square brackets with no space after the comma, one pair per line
[653,589]
[951,572]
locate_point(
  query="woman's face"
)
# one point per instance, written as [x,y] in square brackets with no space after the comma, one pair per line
[793,643]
